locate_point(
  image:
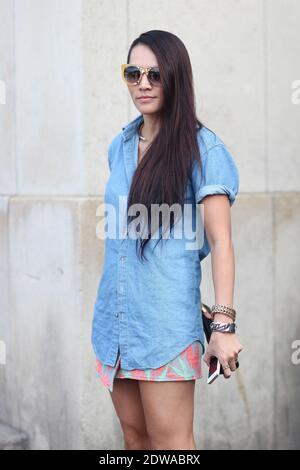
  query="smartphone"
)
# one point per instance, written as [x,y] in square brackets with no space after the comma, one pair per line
[214,370]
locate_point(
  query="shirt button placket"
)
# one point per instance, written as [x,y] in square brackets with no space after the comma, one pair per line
[121,299]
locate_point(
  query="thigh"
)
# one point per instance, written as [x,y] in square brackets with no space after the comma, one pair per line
[168,407]
[126,399]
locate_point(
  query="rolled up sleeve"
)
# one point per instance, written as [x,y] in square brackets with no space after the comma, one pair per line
[219,174]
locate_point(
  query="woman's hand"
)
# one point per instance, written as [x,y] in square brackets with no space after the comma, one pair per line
[226,347]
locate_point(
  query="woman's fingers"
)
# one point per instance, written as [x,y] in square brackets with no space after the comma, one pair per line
[227,361]
[232,365]
[229,365]
[226,368]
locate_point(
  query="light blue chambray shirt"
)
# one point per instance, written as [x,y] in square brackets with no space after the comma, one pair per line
[150,310]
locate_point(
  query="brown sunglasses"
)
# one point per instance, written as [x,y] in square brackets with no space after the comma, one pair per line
[132,74]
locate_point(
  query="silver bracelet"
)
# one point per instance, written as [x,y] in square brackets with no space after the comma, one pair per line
[223,327]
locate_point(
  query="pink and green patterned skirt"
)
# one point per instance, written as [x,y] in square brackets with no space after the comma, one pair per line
[185,366]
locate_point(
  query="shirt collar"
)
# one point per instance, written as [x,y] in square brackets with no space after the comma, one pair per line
[129,129]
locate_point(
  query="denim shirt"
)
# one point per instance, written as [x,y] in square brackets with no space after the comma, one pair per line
[150,311]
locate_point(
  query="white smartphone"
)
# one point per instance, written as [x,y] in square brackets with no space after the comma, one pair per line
[214,369]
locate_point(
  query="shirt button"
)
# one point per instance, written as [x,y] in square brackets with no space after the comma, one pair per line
[116,315]
[122,258]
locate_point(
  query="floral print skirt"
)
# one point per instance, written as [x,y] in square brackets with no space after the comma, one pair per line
[185,366]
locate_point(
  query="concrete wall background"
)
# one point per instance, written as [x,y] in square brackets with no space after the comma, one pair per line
[61,110]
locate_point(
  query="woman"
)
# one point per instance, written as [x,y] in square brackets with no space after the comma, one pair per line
[147,327]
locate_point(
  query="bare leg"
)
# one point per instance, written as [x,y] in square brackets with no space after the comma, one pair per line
[169,413]
[128,405]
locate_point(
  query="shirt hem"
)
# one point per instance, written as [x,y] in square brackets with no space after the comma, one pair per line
[173,356]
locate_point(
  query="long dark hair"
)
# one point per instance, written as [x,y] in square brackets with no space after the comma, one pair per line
[162,174]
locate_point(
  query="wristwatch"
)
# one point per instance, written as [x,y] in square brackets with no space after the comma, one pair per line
[223,327]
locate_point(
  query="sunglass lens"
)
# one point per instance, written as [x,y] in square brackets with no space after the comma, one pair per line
[154,75]
[131,74]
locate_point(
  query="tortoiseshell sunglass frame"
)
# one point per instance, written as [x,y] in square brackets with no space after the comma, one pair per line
[142,70]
